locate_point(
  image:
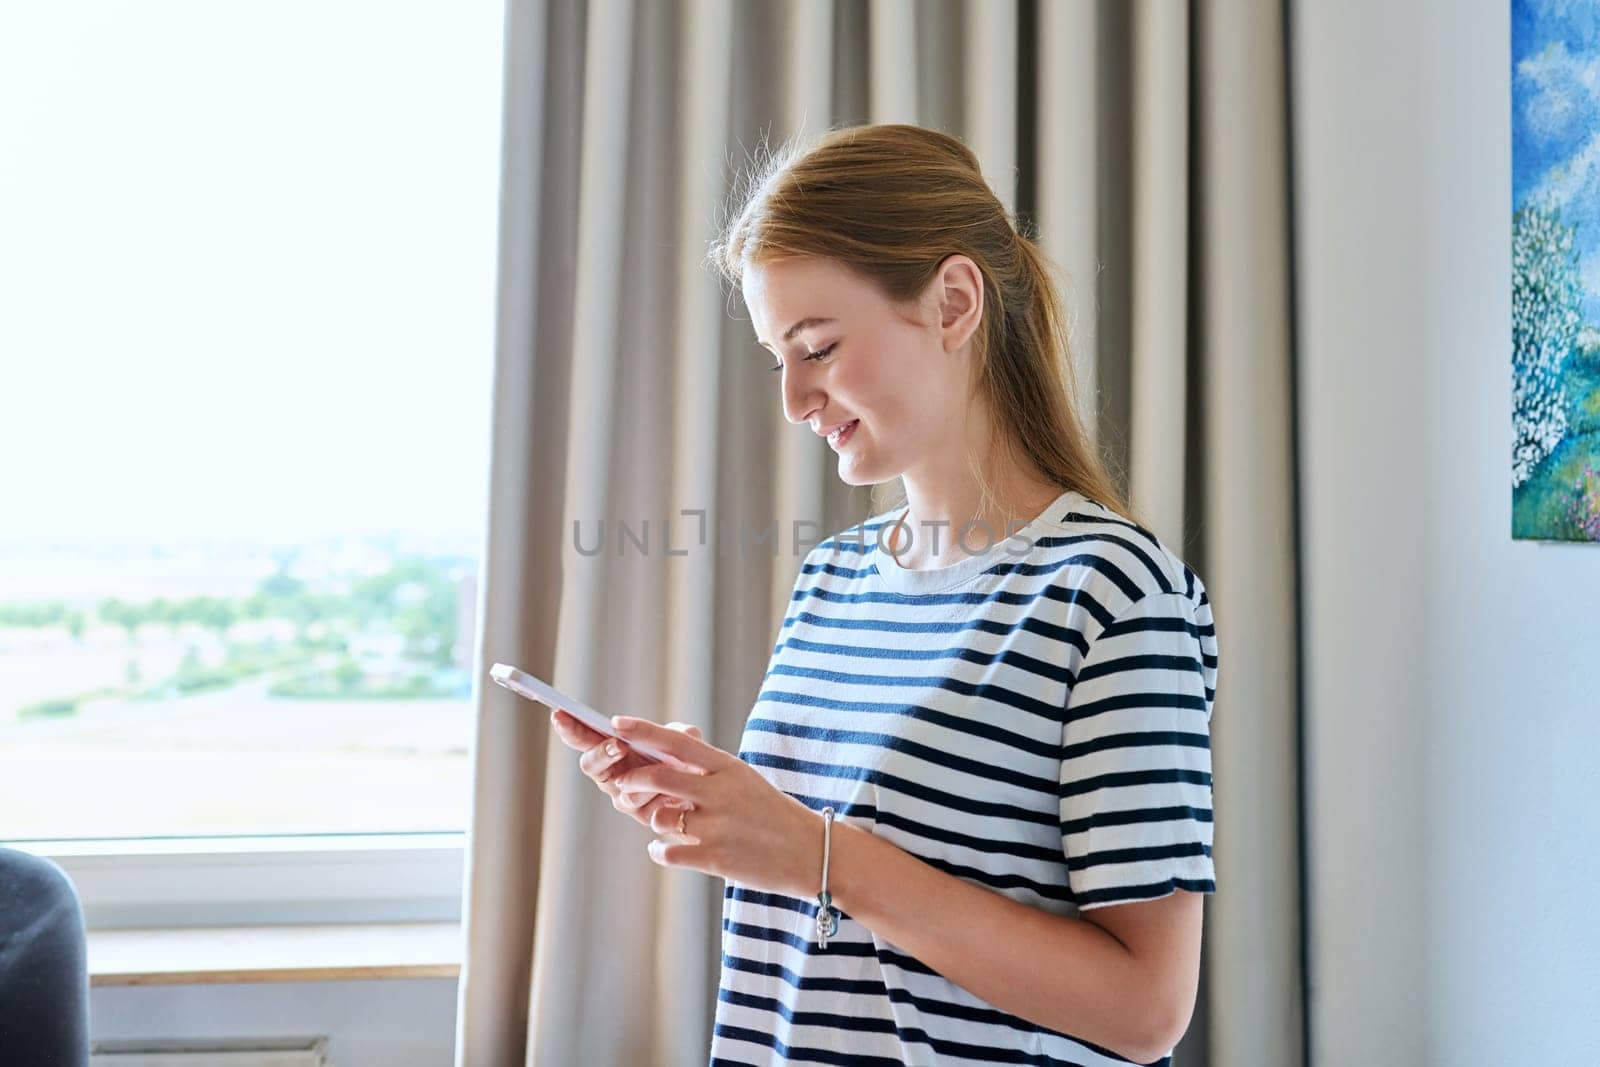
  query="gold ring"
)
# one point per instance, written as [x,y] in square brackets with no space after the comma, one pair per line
[682,815]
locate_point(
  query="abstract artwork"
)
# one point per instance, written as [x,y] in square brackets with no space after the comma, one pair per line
[1555,270]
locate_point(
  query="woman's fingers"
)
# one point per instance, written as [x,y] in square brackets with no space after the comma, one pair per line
[604,760]
[574,733]
[603,757]
[632,803]
[577,735]
[683,728]
[667,806]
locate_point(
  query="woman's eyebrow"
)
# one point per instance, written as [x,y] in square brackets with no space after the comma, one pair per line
[788,335]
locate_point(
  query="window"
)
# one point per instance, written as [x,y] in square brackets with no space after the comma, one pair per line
[248,278]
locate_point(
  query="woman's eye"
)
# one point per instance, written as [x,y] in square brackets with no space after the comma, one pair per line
[812,355]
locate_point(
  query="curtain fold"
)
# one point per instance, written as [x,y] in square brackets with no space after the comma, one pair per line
[1162,193]
[1242,470]
[633,411]
[1066,132]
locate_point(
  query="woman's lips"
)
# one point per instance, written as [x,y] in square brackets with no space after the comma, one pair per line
[839,437]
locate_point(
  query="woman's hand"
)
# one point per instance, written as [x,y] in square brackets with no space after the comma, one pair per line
[739,826]
[603,767]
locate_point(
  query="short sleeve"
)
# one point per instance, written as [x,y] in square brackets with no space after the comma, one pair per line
[1135,781]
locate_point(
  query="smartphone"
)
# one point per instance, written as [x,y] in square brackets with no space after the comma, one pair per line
[525,684]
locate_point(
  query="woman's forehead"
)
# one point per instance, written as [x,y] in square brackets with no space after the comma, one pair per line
[785,279]
[785,298]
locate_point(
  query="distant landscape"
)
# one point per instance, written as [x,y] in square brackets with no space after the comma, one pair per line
[320,688]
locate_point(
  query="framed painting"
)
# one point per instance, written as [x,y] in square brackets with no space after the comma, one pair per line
[1555,270]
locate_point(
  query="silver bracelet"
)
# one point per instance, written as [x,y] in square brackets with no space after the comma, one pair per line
[827,920]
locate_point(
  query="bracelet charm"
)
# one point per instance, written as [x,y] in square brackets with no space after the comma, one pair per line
[827,920]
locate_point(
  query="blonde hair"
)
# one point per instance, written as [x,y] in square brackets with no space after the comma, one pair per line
[890,203]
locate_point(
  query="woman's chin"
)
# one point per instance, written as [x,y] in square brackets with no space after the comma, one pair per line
[857,465]
[853,472]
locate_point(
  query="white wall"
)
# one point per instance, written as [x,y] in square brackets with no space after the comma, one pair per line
[1453,675]
[390,1023]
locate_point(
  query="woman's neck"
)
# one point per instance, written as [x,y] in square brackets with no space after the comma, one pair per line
[935,516]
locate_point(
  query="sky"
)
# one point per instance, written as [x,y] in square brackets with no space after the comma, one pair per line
[247,266]
[1555,122]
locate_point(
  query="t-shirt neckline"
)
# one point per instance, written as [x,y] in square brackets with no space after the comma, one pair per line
[1005,548]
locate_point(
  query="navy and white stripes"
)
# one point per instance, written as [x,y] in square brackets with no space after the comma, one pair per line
[1034,719]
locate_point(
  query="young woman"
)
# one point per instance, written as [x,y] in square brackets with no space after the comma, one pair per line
[989,705]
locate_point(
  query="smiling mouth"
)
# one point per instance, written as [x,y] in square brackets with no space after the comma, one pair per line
[837,437]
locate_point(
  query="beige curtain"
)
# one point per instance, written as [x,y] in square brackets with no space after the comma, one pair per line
[1147,141]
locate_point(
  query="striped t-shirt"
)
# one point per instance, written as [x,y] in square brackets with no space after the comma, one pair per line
[1034,719]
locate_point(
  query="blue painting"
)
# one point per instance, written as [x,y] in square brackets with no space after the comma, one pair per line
[1555,270]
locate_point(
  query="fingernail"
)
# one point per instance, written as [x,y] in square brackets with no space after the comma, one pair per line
[612,750]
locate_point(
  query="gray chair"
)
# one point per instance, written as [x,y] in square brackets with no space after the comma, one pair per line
[44,965]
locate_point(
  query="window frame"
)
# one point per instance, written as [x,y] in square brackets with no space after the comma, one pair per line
[189,881]
[126,883]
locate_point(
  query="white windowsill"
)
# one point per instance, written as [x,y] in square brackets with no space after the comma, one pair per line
[321,952]
[350,880]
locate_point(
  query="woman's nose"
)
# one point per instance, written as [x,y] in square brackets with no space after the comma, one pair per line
[800,396]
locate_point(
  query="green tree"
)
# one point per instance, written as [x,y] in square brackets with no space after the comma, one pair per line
[39,613]
[211,612]
[415,597]
[120,613]
[347,675]
[163,610]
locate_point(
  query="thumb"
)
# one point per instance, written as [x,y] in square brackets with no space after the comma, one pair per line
[683,728]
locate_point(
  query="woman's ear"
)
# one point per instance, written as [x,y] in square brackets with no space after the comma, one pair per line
[959,285]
